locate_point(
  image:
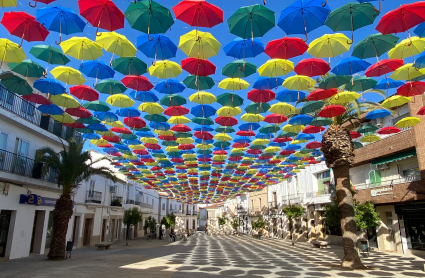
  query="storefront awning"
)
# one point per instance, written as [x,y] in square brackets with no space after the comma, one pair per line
[394,157]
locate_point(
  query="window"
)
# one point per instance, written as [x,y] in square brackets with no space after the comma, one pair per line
[274,199]
[358,178]
[163,206]
[259,204]
[180,207]
[375,178]
[252,204]
[3,140]
[411,174]
[323,182]
[171,207]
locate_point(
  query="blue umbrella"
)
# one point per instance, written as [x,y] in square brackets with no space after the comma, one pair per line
[50,109]
[170,86]
[290,95]
[292,148]
[159,126]
[303,16]
[203,111]
[201,141]
[388,83]
[49,86]
[156,46]
[132,142]
[263,83]
[62,20]
[144,96]
[122,147]
[350,66]
[240,48]
[106,116]
[420,60]
[276,144]
[377,114]
[146,134]
[304,136]
[300,120]
[110,150]
[91,136]
[98,127]
[204,128]
[97,69]
[267,136]
[249,126]
[242,140]
[128,112]
[420,30]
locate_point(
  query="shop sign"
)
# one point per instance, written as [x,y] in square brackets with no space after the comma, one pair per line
[381,191]
[36,200]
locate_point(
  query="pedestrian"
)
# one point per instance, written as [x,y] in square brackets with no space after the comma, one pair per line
[160,232]
[206,229]
[260,233]
[172,235]
[148,232]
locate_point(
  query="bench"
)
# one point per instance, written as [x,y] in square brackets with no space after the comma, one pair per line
[320,244]
[103,245]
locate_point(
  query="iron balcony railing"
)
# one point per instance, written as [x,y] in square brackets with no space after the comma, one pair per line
[129,202]
[27,110]
[94,197]
[24,166]
[390,182]
[116,201]
[144,205]
[242,209]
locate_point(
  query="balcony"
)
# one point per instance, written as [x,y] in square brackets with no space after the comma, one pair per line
[144,205]
[389,182]
[254,212]
[93,197]
[116,201]
[294,198]
[130,202]
[28,111]
[242,209]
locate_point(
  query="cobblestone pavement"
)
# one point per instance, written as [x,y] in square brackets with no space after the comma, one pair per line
[210,256]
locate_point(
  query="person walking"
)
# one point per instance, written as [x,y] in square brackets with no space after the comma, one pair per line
[206,229]
[160,232]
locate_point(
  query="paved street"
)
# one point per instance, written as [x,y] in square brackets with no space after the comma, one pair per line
[208,256]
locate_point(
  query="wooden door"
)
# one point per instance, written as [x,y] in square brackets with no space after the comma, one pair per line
[103,229]
[86,239]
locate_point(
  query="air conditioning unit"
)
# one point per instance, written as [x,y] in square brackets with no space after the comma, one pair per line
[382,166]
[112,189]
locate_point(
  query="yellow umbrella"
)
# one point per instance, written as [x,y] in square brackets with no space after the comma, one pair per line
[344,97]
[282,108]
[276,67]
[10,51]
[252,118]
[120,100]
[238,150]
[105,133]
[234,84]
[149,140]
[8,3]
[260,142]
[407,72]
[65,100]
[137,147]
[165,69]
[114,124]
[408,122]
[271,149]
[219,157]
[293,128]
[203,173]
[298,82]
[228,111]
[151,108]
[296,142]
[68,75]
[116,44]
[223,137]
[65,118]
[81,48]
[164,132]
[197,44]
[184,141]
[299,154]
[370,138]
[100,142]
[202,98]
[178,120]
[395,101]
[130,157]
[329,45]
[204,146]
[172,149]
[407,48]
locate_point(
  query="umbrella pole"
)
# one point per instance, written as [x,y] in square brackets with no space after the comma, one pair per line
[352,27]
[60,32]
[23,35]
[252,33]
[98,24]
[305,27]
[379,7]
[33,6]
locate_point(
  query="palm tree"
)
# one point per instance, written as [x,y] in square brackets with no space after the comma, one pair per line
[73,165]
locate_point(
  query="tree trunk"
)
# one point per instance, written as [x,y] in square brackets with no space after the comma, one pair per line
[61,215]
[338,150]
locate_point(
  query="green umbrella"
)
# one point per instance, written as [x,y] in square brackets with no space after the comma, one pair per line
[357,145]
[367,129]
[149,17]
[319,121]
[360,84]
[17,85]
[285,134]
[146,128]
[374,46]
[27,68]
[269,128]
[182,134]
[89,120]
[225,129]
[351,16]
[258,147]
[97,105]
[170,143]
[238,69]
[237,154]
[204,151]
[203,121]
[159,155]
[110,87]
[49,54]
[251,21]
[197,82]
[419,78]
[334,81]
[312,106]
[157,118]
[230,99]
[129,66]
[173,100]
[221,144]
[84,130]
[305,150]
[257,107]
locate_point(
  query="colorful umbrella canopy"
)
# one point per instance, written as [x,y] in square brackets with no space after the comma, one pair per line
[27,68]
[198,13]
[68,75]
[16,84]
[374,46]
[102,14]
[49,54]
[276,67]
[200,45]
[241,48]
[165,69]
[329,45]
[116,43]
[81,48]
[312,67]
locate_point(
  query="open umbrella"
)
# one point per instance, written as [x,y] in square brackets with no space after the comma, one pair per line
[320,94]
[374,46]
[165,69]
[203,98]
[395,101]
[79,112]
[138,83]
[129,66]
[102,14]
[198,67]
[290,95]
[11,52]
[407,72]
[197,44]
[407,48]
[350,66]
[312,67]
[51,109]
[116,44]
[169,86]
[334,81]
[68,75]
[238,68]
[275,68]
[158,47]
[361,83]
[65,100]
[242,48]
[84,92]
[49,54]
[301,17]
[199,82]
[410,89]
[285,48]
[36,98]
[383,67]
[16,85]
[110,87]
[299,83]
[120,100]
[27,68]
[329,45]
[261,95]
[97,69]
[49,86]
[198,13]
[81,48]
[267,83]
[408,122]
[234,84]
[8,3]
[230,99]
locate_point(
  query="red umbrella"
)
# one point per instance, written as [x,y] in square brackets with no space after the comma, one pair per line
[102,14]
[421,111]
[286,152]
[402,19]
[137,82]
[41,1]
[113,139]
[245,133]
[313,129]
[176,111]
[313,145]
[261,95]
[388,130]
[181,128]
[321,94]
[383,67]
[312,67]
[122,130]
[203,135]
[240,145]
[84,92]
[177,160]
[186,146]
[152,147]
[221,152]
[275,119]
[24,26]
[80,112]
[252,151]
[282,140]
[75,125]
[198,67]
[36,98]
[198,13]
[134,122]
[286,48]
[226,121]
[141,152]
[355,134]
[410,88]
[167,137]
[331,111]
